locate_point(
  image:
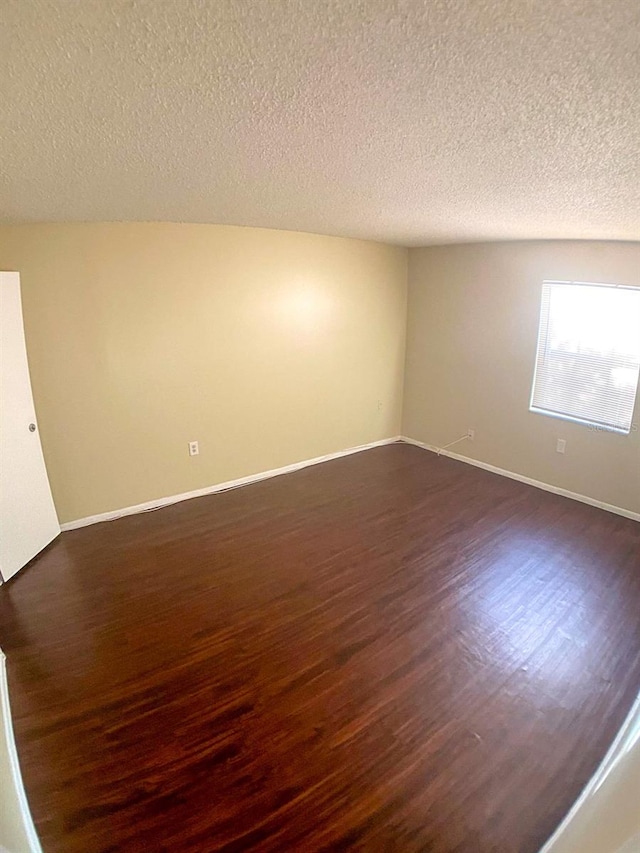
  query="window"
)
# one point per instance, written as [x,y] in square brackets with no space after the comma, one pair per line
[588,353]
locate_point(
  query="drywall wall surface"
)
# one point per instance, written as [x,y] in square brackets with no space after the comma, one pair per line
[471,342]
[266,347]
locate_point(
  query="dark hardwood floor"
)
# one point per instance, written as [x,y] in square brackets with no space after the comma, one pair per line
[387,652]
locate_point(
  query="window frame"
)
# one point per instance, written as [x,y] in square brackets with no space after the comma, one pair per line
[597,425]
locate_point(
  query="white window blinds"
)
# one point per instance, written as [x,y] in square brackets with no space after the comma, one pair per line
[588,357]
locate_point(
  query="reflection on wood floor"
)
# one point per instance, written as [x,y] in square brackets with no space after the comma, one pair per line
[387,652]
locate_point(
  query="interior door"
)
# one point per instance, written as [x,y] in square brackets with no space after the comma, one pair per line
[28,519]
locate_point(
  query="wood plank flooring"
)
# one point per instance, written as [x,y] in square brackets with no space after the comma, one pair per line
[387,652]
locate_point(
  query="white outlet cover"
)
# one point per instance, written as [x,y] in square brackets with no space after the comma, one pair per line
[561,445]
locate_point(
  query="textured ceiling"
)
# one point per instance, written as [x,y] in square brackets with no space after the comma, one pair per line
[413,122]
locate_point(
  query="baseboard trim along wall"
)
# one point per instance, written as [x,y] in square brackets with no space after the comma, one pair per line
[583,808]
[220,487]
[12,797]
[296,466]
[556,490]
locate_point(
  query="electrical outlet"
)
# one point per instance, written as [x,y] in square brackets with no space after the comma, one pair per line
[471,434]
[561,445]
[194,449]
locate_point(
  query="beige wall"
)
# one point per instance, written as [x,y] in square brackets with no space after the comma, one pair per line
[471,342]
[268,347]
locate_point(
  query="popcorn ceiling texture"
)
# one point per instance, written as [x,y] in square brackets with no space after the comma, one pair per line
[407,122]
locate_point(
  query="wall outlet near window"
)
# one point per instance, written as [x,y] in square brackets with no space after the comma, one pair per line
[471,434]
[194,449]
[561,445]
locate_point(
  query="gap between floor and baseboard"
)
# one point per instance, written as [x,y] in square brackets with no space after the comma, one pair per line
[556,490]
[220,487]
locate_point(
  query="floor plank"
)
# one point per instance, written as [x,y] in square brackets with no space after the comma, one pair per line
[390,651]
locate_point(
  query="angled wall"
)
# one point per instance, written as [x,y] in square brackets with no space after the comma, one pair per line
[471,342]
[267,347]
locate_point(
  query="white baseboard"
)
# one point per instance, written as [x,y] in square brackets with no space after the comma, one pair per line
[220,487]
[556,490]
[625,740]
[13,799]
[296,466]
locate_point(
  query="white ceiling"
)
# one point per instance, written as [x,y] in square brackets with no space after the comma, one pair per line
[408,121]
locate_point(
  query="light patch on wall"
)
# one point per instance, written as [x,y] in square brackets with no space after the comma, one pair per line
[305,312]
